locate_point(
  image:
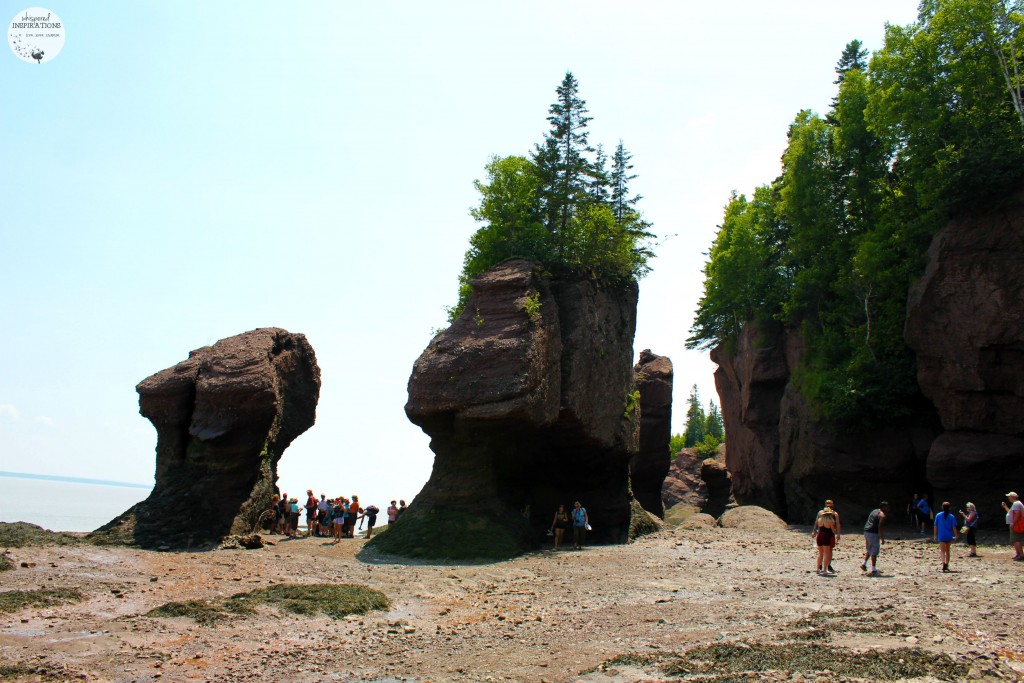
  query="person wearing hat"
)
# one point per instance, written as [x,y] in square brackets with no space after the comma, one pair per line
[970,528]
[1015,519]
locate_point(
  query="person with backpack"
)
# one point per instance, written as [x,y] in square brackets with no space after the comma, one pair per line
[370,513]
[1015,519]
[944,531]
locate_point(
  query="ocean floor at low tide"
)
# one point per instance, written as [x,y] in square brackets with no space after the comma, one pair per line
[714,605]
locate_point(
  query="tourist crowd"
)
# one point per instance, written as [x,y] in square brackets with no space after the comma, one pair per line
[326,517]
[945,529]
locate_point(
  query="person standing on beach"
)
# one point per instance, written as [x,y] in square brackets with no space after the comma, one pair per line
[825,532]
[1015,519]
[401,508]
[310,507]
[830,505]
[285,511]
[559,524]
[944,531]
[580,522]
[874,537]
[392,513]
[971,525]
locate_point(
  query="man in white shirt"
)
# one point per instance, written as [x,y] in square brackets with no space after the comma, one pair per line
[1015,518]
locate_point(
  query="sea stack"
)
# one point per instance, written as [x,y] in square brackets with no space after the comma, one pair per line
[223,418]
[528,400]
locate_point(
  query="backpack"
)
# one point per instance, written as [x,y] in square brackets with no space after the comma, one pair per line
[1018,525]
[372,510]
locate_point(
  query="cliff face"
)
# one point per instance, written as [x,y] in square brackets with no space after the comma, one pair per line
[648,469]
[751,382]
[223,418]
[965,322]
[525,400]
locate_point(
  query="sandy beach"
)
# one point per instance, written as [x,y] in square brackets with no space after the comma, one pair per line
[707,604]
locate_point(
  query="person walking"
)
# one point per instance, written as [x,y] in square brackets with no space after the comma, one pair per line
[1015,520]
[559,524]
[874,537]
[825,537]
[580,524]
[924,512]
[970,526]
[944,531]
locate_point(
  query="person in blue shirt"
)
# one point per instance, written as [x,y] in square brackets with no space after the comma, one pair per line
[944,531]
[924,512]
[580,523]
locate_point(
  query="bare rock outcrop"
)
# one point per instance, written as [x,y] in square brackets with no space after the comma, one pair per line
[683,484]
[223,418]
[751,380]
[703,484]
[965,322]
[648,469]
[525,399]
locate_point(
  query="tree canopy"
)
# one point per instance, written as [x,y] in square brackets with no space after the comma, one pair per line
[560,206]
[930,127]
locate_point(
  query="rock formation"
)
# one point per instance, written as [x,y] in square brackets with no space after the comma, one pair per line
[784,459]
[702,484]
[648,469]
[223,418]
[525,400]
[683,483]
[965,321]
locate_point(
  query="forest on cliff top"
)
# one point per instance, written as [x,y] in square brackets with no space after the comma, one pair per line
[931,126]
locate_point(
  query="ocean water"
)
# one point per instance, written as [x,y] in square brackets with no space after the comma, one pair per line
[64,505]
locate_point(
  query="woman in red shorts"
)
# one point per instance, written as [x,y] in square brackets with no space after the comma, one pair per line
[824,535]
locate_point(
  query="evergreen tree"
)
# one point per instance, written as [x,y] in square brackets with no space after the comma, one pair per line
[565,171]
[696,420]
[854,57]
[714,426]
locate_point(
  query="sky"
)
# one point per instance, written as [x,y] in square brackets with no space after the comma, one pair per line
[184,172]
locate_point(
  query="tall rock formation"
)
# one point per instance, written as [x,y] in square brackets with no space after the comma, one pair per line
[783,458]
[525,400]
[223,418]
[648,469]
[965,321]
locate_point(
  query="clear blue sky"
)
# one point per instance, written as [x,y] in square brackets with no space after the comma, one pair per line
[183,172]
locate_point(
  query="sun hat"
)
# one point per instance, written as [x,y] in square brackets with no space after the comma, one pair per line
[1012,494]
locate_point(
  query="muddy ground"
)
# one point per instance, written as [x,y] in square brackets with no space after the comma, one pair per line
[715,604]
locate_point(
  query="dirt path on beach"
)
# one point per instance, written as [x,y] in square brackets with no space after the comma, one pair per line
[544,617]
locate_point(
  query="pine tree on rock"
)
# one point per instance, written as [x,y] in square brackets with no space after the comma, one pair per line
[565,170]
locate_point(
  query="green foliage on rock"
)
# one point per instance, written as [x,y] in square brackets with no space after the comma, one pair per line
[23,534]
[334,601]
[560,206]
[17,600]
[931,127]
[468,536]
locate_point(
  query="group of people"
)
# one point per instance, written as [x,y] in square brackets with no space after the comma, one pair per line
[326,517]
[945,528]
[577,519]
